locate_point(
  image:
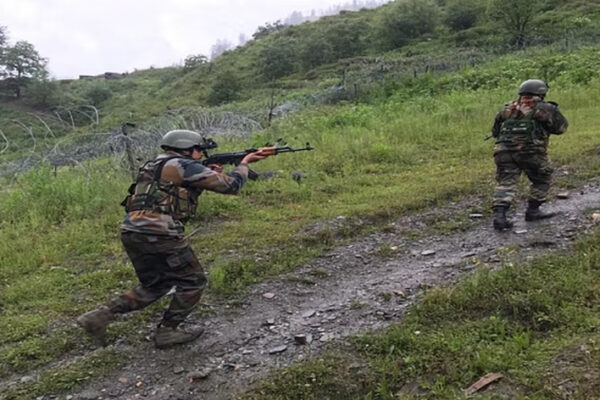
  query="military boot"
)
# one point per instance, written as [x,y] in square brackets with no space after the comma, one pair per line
[500,221]
[95,322]
[167,336]
[533,212]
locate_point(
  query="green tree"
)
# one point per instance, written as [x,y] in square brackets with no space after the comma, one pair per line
[3,37]
[20,64]
[194,61]
[278,59]
[96,93]
[226,89]
[316,52]
[3,43]
[462,14]
[407,20]
[43,93]
[347,37]
[515,17]
[267,29]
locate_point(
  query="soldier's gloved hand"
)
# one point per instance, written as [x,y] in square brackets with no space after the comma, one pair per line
[544,112]
[508,110]
[216,167]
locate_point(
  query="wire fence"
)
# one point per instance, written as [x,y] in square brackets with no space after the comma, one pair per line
[40,142]
[129,145]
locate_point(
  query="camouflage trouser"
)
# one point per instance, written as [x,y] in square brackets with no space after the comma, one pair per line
[510,164]
[161,263]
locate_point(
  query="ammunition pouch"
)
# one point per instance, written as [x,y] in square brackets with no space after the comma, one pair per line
[151,193]
[525,130]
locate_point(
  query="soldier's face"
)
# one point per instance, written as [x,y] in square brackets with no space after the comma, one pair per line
[197,154]
[528,100]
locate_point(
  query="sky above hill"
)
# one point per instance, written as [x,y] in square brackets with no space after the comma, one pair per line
[91,37]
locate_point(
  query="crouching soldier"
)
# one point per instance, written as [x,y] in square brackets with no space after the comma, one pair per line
[521,131]
[161,200]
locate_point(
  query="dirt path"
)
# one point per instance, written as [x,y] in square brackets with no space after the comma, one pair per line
[361,286]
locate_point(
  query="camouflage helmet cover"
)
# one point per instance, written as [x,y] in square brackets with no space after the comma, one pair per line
[533,87]
[181,139]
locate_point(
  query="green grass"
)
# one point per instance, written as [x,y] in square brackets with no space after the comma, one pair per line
[79,371]
[59,248]
[537,324]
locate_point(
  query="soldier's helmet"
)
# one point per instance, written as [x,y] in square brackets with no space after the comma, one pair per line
[181,139]
[533,87]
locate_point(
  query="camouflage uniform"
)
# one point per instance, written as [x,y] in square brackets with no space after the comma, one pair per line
[152,232]
[161,200]
[521,135]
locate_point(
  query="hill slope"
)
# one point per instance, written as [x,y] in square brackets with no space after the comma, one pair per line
[396,133]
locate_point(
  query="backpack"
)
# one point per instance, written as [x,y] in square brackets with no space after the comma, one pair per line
[143,193]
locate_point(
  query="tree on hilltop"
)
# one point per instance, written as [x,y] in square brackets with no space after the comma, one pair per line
[3,44]
[407,20]
[267,29]
[21,63]
[194,61]
[220,47]
[515,16]
[3,37]
[462,14]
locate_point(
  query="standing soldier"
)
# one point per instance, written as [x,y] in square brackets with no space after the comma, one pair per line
[163,197]
[521,131]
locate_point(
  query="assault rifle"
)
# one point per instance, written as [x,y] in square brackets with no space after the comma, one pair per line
[235,158]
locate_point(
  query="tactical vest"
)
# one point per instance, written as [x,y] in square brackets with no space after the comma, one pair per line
[522,131]
[152,193]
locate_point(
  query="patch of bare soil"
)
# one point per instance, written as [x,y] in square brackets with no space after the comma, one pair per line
[361,286]
[575,373]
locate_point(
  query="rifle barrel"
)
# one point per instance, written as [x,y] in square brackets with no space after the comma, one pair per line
[236,156]
[288,149]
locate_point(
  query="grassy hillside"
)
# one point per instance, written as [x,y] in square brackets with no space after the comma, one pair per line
[404,132]
[353,49]
[343,58]
[374,161]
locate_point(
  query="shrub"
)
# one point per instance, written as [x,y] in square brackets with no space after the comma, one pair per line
[278,59]
[462,14]
[97,93]
[347,37]
[43,93]
[194,61]
[316,52]
[225,89]
[408,19]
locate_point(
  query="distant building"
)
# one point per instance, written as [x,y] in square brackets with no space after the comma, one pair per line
[106,75]
[112,75]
